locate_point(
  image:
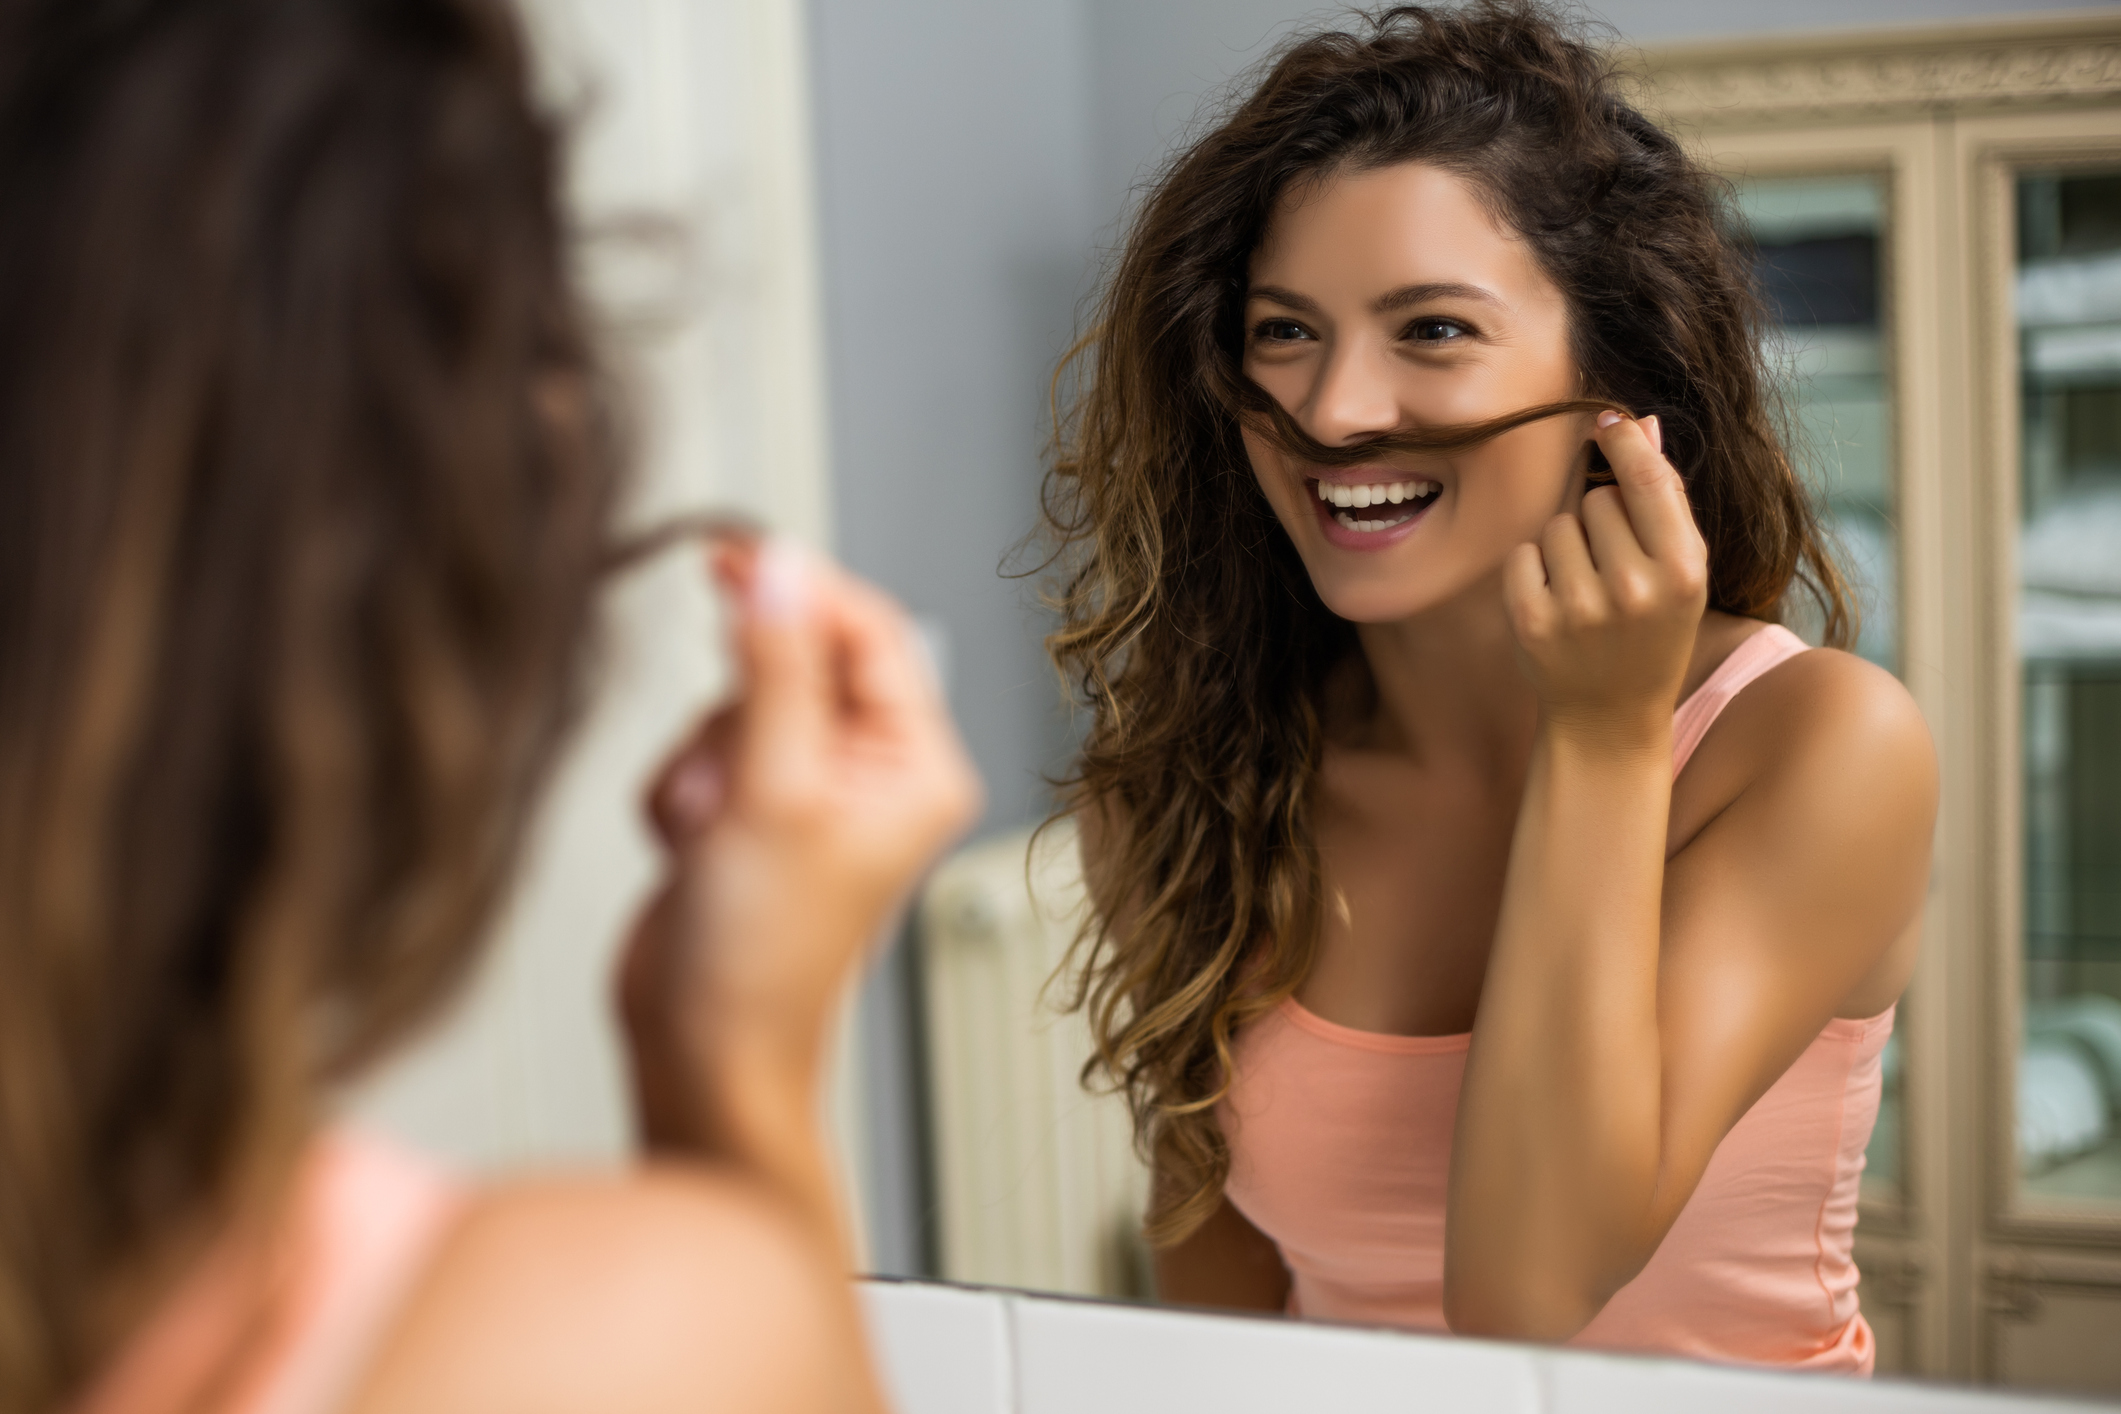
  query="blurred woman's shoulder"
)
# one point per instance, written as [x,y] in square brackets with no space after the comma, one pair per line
[648,1290]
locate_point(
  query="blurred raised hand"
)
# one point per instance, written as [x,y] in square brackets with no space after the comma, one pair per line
[795,821]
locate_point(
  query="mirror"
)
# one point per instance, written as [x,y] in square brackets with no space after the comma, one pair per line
[1033,1181]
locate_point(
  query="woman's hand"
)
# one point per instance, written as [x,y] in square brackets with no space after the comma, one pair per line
[795,820]
[1559,1150]
[1638,1001]
[1606,607]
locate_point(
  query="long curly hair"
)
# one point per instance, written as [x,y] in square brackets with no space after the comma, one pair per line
[1189,629]
[304,483]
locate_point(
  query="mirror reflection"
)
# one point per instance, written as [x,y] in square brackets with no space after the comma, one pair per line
[1498,911]
[1333,1041]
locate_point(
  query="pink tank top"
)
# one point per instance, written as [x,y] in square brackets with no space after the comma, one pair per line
[1340,1144]
[364,1217]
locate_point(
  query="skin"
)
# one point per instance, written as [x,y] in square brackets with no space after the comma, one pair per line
[1504,848]
[793,822]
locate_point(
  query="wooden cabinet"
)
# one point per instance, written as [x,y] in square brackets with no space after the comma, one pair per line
[1938,219]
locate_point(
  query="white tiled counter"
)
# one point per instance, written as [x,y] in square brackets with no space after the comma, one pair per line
[966,1350]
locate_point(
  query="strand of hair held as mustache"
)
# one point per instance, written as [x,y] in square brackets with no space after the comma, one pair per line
[1264,415]
[721,527]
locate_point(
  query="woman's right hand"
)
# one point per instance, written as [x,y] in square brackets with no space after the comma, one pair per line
[795,820]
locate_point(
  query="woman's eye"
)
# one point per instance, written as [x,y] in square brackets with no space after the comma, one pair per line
[1436,331]
[1280,331]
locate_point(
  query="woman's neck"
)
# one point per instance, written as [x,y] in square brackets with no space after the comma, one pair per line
[1448,686]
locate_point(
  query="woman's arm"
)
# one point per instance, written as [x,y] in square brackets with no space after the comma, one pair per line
[1633,1012]
[796,822]
[716,1276]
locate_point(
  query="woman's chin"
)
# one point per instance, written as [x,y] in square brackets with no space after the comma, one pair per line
[1412,592]
[1374,605]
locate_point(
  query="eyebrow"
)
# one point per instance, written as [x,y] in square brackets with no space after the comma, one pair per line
[1389,302]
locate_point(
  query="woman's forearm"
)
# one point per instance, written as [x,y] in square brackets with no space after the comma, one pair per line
[1557,1150]
[746,1097]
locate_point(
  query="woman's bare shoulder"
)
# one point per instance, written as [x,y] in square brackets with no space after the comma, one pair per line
[1822,721]
[670,1287]
[1830,701]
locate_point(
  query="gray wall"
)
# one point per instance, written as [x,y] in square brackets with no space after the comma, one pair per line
[953,140]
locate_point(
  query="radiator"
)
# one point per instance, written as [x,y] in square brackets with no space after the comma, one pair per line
[1037,1181]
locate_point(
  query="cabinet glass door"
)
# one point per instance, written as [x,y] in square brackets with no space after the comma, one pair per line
[2068,307]
[1817,245]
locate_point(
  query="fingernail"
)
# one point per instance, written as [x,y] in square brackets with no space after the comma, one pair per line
[780,586]
[1655,429]
[1607,419]
[696,791]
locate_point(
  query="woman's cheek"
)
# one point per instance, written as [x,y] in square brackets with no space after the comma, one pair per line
[1447,401]
[1269,471]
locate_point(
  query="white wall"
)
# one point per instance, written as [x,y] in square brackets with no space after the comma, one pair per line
[692,114]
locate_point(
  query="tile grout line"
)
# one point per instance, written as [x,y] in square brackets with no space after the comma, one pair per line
[1012,1378]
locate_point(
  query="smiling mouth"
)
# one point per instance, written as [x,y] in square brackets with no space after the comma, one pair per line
[1378,505]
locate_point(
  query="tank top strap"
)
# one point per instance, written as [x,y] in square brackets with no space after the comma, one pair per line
[372,1218]
[1769,648]
[364,1218]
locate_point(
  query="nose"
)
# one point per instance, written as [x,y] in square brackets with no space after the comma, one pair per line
[1355,397]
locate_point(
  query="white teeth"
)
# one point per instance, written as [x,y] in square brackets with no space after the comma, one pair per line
[1363,497]
[1357,523]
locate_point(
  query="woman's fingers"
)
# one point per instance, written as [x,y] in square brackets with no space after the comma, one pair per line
[785,656]
[1630,576]
[895,704]
[1526,595]
[884,672]
[689,790]
[1653,494]
[1572,578]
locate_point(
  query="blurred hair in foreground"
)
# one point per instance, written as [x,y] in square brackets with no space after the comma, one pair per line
[304,477]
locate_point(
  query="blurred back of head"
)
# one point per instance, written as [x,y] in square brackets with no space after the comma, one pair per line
[303,486]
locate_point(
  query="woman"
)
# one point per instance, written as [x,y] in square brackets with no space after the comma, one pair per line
[1424,510]
[304,488]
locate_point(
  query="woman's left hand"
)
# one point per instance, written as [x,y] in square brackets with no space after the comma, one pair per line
[1605,607]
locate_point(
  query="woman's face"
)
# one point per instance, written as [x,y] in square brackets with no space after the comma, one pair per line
[1389,299]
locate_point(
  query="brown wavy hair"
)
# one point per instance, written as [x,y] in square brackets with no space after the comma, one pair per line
[1189,628]
[303,493]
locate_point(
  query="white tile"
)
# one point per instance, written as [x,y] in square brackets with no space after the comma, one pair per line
[942,1350]
[1086,1358]
[1606,1384]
